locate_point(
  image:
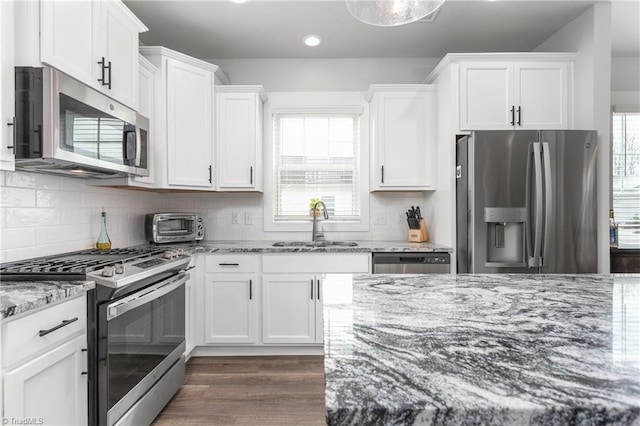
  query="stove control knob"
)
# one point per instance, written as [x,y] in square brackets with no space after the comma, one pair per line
[107,271]
[169,254]
[119,269]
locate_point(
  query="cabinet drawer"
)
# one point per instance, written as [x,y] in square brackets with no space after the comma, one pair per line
[231,263]
[21,339]
[317,263]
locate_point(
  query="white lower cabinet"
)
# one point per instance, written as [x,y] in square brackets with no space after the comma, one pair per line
[44,365]
[231,312]
[52,387]
[290,306]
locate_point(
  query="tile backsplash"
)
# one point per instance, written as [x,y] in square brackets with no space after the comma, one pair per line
[44,214]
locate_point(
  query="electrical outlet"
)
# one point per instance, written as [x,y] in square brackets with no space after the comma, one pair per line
[401,219]
[235,218]
[248,218]
[379,218]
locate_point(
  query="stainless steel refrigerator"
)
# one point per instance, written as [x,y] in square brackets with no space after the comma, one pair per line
[526,201]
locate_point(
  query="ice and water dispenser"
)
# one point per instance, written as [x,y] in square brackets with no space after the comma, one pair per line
[506,229]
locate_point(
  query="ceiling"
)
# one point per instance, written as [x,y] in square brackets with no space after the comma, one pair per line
[221,29]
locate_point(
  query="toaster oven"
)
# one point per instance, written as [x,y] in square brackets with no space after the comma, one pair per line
[173,227]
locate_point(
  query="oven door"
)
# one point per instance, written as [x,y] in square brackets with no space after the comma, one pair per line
[140,337]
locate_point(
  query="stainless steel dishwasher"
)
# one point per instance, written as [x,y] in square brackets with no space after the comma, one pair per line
[411,263]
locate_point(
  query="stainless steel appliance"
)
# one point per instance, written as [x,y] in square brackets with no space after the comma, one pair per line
[526,201]
[64,127]
[411,263]
[136,319]
[173,227]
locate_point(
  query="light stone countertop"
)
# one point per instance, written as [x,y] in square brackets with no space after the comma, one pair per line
[482,349]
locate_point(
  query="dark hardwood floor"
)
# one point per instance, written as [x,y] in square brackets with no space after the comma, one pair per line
[277,390]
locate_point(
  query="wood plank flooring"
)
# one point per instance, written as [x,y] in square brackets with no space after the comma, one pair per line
[277,390]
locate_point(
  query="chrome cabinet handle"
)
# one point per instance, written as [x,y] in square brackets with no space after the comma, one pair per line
[109,68]
[57,327]
[311,288]
[210,173]
[318,282]
[228,264]
[250,289]
[513,115]
[251,175]
[381,174]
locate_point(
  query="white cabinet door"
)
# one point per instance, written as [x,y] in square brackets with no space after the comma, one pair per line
[239,130]
[402,133]
[319,319]
[189,125]
[67,37]
[541,95]
[7,86]
[52,386]
[119,46]
[288,308]
[231,308]
[486,95]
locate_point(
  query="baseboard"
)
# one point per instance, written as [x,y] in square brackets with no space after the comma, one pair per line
[256,350]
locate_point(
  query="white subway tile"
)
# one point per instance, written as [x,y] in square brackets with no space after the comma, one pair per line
[20,217]
[63,233]
[33,180]
[17,197]
[17,238]
[59,199]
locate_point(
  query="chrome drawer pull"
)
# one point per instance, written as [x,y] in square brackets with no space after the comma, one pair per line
[51,330]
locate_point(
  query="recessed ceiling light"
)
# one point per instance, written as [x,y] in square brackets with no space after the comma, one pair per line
[239,1]
[312,40]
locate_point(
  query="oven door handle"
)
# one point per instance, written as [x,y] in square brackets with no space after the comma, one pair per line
[147,295]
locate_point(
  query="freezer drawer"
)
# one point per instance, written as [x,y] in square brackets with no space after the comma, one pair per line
[411,263]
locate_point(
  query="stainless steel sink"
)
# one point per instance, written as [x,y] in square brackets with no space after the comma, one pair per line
[315,244]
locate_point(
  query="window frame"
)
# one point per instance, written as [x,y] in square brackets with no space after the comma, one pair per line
[619,109]
[318,103]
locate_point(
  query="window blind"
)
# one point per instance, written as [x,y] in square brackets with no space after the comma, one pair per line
[316,155]
[626,176]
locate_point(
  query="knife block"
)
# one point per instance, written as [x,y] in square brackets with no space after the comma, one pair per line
[419,235]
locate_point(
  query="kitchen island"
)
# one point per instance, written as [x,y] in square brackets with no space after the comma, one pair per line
[482,349]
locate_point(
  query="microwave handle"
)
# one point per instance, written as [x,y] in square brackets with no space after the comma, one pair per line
[129,145]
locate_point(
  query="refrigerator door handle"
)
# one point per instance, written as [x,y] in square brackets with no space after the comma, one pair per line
[534,257]
[548,194]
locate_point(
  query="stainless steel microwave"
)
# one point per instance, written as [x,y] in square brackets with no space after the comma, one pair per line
[173,227]
[64,127]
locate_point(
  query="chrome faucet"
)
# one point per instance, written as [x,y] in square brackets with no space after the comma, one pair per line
[318,235]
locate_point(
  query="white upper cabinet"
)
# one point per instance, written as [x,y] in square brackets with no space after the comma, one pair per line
[7,86]
[402,137]
[183,120]
[95,42]
[500,94]
[189,125]
[68,37]
[239,112]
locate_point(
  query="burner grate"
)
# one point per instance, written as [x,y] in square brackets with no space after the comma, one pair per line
[76,263]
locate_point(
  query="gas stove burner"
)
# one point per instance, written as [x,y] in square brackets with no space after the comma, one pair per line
[74,265]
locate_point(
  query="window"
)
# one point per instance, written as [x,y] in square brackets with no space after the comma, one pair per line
[626,176]
[316,155]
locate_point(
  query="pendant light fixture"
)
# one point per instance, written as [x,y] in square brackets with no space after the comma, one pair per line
[390,13]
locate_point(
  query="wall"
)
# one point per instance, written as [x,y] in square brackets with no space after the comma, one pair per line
[625,74]
[42,215]
[590,35]
[301,75]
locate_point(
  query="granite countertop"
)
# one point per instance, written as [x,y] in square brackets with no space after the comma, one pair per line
[17,297]
[364,246]
[482,349]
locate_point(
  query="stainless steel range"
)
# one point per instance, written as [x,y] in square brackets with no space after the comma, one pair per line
[136,320]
